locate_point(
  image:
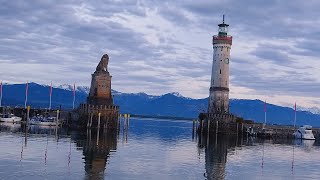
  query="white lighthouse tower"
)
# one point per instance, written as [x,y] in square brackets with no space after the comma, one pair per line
[219,88]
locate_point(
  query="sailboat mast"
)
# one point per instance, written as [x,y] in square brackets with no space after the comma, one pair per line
[26,99]
[50,103]
[1,94]
[74,95]
[265,113]
[295,114]
[50,96]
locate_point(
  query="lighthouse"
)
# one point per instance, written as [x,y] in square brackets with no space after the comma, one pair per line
[219,88]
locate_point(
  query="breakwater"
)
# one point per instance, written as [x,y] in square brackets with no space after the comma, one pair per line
[260,130]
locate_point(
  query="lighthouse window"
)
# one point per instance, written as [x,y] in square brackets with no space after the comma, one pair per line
[220,71]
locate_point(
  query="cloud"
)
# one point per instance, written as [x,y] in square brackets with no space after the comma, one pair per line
[163,46]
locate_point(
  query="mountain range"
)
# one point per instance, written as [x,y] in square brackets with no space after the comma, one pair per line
[170,104]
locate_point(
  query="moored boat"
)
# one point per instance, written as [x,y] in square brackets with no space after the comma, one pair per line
[11,118]
[304,132]
[44,121]
[250,132]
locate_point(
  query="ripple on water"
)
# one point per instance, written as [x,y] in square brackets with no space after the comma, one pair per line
[152,150]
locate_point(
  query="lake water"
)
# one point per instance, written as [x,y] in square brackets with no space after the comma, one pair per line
[150,149]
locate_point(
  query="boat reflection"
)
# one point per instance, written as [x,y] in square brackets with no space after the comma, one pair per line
[10,127]
[305,144]
[34,129]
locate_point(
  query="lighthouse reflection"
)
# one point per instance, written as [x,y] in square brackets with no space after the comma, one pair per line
[96,145]
[216,149]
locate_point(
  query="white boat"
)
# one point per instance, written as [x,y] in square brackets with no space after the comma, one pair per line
[10,118]
[304,132]
[44,121]
[250,132]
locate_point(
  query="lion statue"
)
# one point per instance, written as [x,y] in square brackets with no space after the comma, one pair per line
[103,64]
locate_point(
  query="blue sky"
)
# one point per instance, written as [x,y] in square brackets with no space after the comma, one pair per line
[165,46]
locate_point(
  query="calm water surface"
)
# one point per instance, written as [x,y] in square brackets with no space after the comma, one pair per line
[150,149]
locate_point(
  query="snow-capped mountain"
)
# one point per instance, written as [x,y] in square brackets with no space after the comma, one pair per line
[68,87]
[86,90]
[314,110]
[170,104]
[179,95]
[64,86]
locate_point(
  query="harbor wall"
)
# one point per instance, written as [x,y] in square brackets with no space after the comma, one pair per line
[234,128]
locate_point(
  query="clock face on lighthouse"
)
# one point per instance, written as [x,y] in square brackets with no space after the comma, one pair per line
[223,29]
[226,61]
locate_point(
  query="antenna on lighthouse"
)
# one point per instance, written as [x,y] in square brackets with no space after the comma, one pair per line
[222,19]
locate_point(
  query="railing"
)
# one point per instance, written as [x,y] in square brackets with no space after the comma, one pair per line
[87,108]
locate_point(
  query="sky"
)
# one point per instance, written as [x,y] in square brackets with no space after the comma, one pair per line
[163,46]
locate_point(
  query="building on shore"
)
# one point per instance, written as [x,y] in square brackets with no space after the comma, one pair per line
[100,100]
[218,107]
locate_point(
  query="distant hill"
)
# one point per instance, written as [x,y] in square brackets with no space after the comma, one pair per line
[171,104]
[38,96]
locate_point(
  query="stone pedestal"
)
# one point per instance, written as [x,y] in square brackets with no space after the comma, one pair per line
[100,99]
